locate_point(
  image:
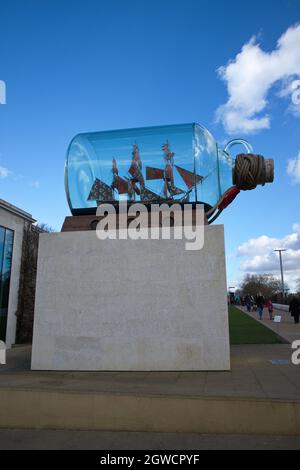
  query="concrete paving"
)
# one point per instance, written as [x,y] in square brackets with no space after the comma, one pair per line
[286,328]
[253,374]
[260,395]
[24,439]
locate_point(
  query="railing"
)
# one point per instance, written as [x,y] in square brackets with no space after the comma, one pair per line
[281,307]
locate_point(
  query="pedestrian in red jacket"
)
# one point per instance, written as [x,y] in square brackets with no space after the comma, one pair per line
[270,308]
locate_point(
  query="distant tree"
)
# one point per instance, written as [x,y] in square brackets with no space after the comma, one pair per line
[267,284]
[25,310]
[41,226]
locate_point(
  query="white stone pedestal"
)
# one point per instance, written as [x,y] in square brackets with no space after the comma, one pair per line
[130,305]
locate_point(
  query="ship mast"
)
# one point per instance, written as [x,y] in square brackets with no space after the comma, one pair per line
[169,187]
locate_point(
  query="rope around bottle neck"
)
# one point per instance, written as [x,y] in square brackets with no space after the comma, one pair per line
[249,171]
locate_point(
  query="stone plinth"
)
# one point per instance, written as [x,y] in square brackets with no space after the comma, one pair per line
[130,304]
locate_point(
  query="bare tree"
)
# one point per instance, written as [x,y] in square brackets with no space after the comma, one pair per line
[267,284]
[42,227]
[27,285]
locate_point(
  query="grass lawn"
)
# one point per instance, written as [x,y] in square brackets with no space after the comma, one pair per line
[244,330]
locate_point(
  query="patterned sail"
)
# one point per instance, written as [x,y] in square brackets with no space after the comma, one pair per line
[147,195]
[100,191]
[154,173]
[189,177]
[174,191]
[120,184]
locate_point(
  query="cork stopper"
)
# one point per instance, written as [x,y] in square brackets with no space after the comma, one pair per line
[269,165]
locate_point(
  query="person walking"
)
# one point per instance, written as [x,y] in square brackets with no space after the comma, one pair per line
[294,308]
[248,302]
[260,302]
[270,308]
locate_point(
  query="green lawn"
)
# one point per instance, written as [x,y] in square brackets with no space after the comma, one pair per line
[244,330]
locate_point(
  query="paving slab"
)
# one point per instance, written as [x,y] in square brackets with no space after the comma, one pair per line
[252,375]
[260,395]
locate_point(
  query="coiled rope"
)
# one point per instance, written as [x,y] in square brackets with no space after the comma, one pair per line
[249,171]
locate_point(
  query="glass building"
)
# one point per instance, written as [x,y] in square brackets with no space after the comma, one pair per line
[6,250]
[14,224]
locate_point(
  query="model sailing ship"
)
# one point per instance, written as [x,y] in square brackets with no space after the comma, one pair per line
[134,184]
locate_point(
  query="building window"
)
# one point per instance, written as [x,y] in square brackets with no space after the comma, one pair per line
[6,250]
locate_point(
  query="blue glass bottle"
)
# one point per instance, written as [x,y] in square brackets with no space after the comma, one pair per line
[173,163]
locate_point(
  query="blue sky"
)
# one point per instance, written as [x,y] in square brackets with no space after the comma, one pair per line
[77,66]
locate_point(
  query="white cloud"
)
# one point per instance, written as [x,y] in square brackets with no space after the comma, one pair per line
[293,169]
[291,88]
[35,184]
[259,256]
[3,172]
[249,78]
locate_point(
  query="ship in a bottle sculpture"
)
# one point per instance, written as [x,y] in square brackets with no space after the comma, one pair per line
[165,164]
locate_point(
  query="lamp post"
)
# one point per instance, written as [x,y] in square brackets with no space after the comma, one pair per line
[281,270]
